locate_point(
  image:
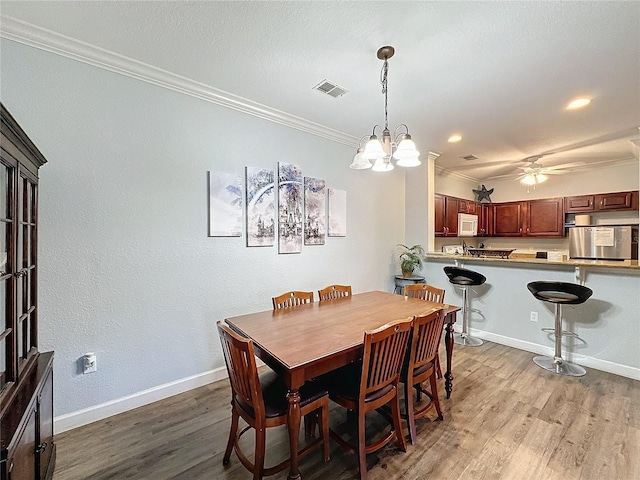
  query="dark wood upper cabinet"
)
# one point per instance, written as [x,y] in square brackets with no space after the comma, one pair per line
[508,219]
[446,216]
[617,201]
[485,219]
[579,203]
[466,206]
[545,217]
[602,202]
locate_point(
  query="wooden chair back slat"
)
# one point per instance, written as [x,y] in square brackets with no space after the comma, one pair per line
[241,367]
[292,299]
[425,338]
[424,292]
[334,291]
[384,350]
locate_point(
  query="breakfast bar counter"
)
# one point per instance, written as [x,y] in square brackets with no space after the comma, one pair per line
[514,259]
[607,325]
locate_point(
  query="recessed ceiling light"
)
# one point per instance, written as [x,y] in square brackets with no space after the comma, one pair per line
[456,137]
[578,103]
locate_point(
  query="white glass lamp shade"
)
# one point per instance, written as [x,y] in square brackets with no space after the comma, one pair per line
[528,179]
[406,153]
[359,162]
[541,178]
[382,165]
[373,149]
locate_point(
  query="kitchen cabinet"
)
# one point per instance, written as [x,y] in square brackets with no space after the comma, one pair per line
[602,202]
[544,218]
[467,206]
[446,216]
[27,450]
[508,218]
[533,218]
[579,204]
[617,201]
[485,218]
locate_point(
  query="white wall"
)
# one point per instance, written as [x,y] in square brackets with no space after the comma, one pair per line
[126,267]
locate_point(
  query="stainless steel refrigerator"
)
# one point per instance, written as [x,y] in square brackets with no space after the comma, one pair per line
[604,242]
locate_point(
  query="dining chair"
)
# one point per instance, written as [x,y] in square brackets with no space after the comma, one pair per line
[419,366]
[424,292]
[261,401]
[292,299]
[430,294]
[365,386]
[334,291]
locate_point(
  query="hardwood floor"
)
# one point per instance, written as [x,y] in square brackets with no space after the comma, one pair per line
[507,420]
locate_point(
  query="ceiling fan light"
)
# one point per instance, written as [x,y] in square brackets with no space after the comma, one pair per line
[373,149]
[528,179]
[382,165]
[541,177]
[359,162]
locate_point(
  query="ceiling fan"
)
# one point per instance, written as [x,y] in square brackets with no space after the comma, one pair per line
[534,173]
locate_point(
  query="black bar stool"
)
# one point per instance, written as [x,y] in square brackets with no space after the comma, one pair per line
[464,279]
[560,293]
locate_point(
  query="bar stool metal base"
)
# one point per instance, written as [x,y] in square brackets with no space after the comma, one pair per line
[467,340]
[559,366]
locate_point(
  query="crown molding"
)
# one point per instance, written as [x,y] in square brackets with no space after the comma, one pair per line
[49,41]
[440,170]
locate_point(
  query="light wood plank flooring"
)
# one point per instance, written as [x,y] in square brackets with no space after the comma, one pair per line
[507,420]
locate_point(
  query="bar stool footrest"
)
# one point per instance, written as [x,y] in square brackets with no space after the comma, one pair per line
[564,333]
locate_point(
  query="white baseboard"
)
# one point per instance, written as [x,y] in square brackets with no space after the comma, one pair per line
[585,361]
[73,420]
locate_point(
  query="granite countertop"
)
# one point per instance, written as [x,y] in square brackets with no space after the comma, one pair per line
[625,264]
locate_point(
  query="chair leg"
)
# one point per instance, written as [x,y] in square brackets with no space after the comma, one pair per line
[324,427]
[258,462]
[362,454]
[233,432]
[397,422]
[408,408]
[434,395]
[438,370]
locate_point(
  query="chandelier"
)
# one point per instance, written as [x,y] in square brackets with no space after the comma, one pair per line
[377,153]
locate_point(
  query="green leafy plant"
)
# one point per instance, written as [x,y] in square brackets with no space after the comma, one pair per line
[410,259]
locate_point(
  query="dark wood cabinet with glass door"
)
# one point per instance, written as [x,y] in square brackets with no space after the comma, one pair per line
[26,376]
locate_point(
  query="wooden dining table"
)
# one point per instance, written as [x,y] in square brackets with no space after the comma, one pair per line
[308,340]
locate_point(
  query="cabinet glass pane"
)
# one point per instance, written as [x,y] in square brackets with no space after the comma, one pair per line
[26,245]
[3,363]
[4,191]
[4,232]
[20,337]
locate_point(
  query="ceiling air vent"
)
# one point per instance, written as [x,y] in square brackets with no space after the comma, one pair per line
[330,89]
[470,157]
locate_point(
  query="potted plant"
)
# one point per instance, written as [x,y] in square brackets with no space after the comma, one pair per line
[410,259]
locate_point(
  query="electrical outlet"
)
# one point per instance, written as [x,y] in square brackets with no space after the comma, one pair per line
[534,316]
[90,362]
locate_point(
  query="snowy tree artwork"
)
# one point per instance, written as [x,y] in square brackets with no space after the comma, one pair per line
[289,208]
[260,207]
[337,213]
[314,211]
[225,204]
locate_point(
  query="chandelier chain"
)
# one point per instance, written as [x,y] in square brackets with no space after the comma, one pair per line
[383,80]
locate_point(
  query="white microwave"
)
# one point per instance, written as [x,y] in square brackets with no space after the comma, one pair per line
[467,225]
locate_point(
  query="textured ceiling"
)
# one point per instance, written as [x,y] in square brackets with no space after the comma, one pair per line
[499,73]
